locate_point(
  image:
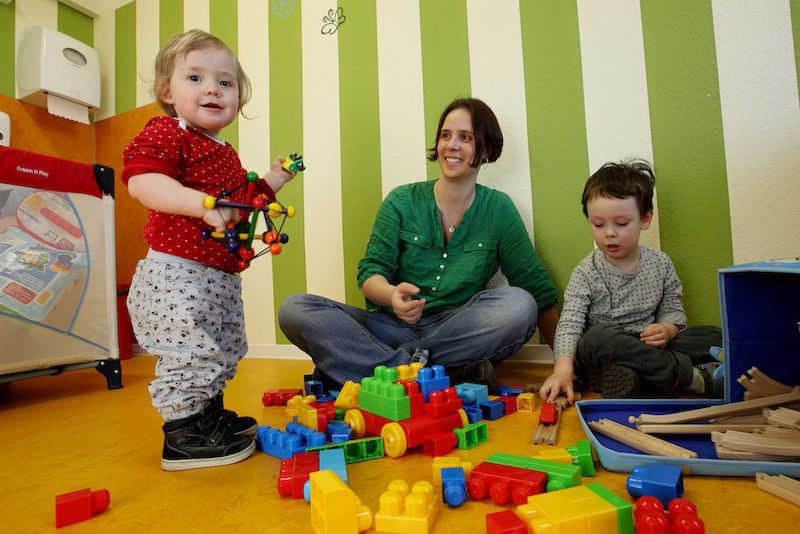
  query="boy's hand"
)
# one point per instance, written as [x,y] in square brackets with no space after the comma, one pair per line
[659,334]
[560,380]
[277,175]
[406,308]
[219,217]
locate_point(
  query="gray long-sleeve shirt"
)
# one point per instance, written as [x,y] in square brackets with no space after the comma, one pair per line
[598,292]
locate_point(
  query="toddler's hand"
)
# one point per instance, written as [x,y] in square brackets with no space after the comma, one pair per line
[556,383]
[220,217]
[406,308]
[277,175]
[658,334]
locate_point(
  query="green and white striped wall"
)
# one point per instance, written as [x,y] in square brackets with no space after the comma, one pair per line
[707,90]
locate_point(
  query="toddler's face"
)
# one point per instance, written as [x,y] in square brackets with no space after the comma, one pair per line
[616,224]
[203,89]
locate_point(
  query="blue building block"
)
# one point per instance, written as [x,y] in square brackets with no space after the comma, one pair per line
[454,486]
[472,394]
[662,481]
[308,436]
[493,410]
[432,379]
[473,414]
[314,387]
[508,391]
[277,443]
[333,460]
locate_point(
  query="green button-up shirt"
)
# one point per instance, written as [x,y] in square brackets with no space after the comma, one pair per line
[406,245]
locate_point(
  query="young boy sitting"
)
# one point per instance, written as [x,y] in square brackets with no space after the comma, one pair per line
[622,328]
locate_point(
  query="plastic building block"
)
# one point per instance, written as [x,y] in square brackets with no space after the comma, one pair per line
[510,403]
[357,450]
[407,512]
[505,522]
[473,414]
[308,436]
[294,473]
[624,508]
[581,454]
[576,510]
[432,379]
[415,398]
[559,476]
[293,405]
[662,481]
[505,482]
[313,387]
[443,462]
[681,519]
[403,435]
[493,410]
[526,402]
[549,414]
[510,391]
[472,394]
[471,435]
[347,399]
[333,460]
[454,486]
[80,505]
[442,402]
[380,395]
[335,509]
[408,372]
[326,398]
[278,397]
[338,431]
[278,443]
[439,443]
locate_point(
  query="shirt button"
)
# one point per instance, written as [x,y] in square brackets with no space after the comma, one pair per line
[480,245]
[444,255]
[438,277]
[433,288]
[416,238]
[441,266]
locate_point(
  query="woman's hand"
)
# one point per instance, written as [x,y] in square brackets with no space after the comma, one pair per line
[405,306]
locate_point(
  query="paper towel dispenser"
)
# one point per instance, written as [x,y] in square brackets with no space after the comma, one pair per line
[51,63]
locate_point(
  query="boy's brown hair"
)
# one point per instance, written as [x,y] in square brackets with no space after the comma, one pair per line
[632,178]
[183,43]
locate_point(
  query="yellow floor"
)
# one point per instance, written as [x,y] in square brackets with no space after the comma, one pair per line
[68,432]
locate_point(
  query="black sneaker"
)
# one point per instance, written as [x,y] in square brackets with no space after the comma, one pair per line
[617,382]
[202,441]
[240,426]
[713,388]
[478,372]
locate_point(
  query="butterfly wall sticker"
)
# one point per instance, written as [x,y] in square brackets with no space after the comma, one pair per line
[332,21]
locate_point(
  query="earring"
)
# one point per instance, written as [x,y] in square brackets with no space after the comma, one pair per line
[485,162]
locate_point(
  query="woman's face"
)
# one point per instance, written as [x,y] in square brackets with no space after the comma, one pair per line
[456,146]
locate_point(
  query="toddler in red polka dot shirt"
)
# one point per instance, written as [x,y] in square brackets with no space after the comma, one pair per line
[185,298]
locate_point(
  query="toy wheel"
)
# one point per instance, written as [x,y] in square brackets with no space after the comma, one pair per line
[464,418]
[394,440]
[355,419]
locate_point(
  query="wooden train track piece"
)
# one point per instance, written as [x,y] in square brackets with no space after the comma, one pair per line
[780,486]
[783,417]
[639,440]
[759,384]
[697,428]
[762,443]
[724,453]
[734,408]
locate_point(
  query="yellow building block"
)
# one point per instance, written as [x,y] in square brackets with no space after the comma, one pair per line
[576,510]
[307,416]
[293,405]
[440,462]
[347,399]
[526,402]
[407,512]
[408,372]
[556,455]
[335,509]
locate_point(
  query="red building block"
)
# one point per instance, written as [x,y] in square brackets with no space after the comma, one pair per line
[510,402]
[549,414]
[505,522]
[443,402]
[439,443]
[504,482]
[415,397]
[80,505]
[294,473]
[279,397]
[682,518]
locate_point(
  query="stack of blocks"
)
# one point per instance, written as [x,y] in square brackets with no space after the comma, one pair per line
[407,512]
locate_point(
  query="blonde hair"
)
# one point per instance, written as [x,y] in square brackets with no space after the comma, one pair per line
[183,43]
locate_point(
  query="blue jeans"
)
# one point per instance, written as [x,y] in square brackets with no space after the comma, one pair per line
[347,343]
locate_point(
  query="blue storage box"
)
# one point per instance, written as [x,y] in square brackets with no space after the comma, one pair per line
[760,309]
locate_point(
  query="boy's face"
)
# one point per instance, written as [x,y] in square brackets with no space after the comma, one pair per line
[616,224]
[203,89]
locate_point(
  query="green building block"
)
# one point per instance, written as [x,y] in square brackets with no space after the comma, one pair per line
[356,450]
[381,396]
[624,508]
[559,476]
[471,435]
[582,455]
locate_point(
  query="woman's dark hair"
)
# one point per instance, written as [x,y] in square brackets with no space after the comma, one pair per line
[488,137]
[632,178]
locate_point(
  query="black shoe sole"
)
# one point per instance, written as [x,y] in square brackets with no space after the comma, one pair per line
[618,382]
[195,463]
